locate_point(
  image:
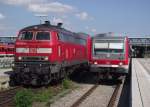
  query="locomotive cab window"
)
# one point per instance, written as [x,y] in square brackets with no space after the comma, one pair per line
[26,35]
[43,36]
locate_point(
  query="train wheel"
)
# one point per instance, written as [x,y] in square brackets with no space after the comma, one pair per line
[62,73]
[12,83]
[47,77]
[115,77]
[14,80]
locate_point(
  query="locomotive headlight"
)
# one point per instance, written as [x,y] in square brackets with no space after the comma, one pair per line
[46,58]
[95,62]
[19,58]
[120,63]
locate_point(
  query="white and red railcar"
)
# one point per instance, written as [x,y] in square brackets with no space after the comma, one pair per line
[109,55]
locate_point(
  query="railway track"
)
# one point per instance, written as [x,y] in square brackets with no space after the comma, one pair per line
[116,94]
[82,98]
[6,97]
[112,102]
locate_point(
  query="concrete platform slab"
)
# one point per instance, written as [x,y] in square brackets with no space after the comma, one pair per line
[4,78]
[140,85]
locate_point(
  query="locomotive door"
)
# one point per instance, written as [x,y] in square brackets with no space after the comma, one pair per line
[61,48]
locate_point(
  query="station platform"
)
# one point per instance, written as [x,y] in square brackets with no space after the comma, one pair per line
[140,88]
[4,78]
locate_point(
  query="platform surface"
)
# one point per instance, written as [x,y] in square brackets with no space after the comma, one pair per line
[4,74]
[140,82]
[5,70]
[4,78]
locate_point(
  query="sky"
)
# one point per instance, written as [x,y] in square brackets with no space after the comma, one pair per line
[130,17]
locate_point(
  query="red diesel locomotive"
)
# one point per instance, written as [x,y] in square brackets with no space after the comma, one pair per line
[109,55]
[47,52]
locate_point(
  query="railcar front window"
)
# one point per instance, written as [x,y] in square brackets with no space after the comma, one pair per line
[42,36]
[26,36]
[101,45]
[108,47]
[116,47]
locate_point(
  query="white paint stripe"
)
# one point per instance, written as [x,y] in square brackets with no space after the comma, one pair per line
[44,50]
[22,50]
[59,51]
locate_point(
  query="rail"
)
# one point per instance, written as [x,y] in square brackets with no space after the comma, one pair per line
[6,97]
[111,103]
[117,91]
[82,98]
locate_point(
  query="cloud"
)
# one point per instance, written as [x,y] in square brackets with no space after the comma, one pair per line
[48,6]
[66,23]
[93,30]
[2,16]
[64,12]
[87,27]
[40,6]
[55,7]
[20,2]
[2,28]
[82,15]
[57,20]
[6,29]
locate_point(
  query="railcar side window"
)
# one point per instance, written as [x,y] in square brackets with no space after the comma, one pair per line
[42,36]
[26,36]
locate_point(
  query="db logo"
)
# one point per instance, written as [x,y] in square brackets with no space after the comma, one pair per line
[32,50]
[107,63]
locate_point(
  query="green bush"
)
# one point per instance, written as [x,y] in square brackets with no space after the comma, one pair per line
[43,95]
[66,83]
[24,98]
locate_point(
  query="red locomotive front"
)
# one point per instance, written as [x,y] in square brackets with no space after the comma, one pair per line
[45,52]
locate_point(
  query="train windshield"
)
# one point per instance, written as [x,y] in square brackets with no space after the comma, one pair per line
[43,36]
[26,35]
[114,46]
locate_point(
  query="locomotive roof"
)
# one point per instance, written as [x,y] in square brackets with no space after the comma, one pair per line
[57,28]
[107,36]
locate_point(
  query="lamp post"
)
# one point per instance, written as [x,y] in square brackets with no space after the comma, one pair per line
[146,41]
[146,48]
